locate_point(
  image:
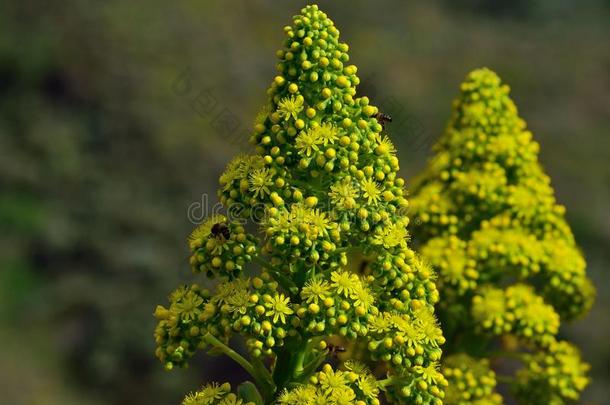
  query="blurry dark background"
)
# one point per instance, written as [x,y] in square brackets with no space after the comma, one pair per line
[116,116]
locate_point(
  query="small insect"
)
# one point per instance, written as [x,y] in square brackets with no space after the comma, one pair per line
[382,119]
[221,229]
[335,350]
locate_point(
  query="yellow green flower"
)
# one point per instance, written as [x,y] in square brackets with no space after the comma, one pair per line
[278,307]
[331,380]
[308,141]
[208,394]
[344,282]
[385,146]
[370,190]
[363,297]
[392,235]
[290,107]
[327,133]
[315,289]
[260,180]
[343,194]
[188,306]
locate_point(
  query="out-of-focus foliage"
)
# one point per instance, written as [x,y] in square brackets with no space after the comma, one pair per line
[508,265]
[106,139]
[94,168]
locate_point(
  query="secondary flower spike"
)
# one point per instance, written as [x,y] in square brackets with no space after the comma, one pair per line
[508,267]
[321,186]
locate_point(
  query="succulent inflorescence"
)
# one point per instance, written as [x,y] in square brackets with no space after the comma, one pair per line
[508,266]
[330,264]
[322,188]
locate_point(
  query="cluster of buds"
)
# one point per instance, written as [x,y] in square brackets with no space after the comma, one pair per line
[516,310]
[220,248]
[332,261]
[251,307]
[508,266]
[552,377]
[471,381]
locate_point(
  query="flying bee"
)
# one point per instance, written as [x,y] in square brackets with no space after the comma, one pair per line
[220,229]
[335,350]
[382,119]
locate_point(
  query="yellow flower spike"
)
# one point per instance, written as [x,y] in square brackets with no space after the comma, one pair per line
[323,188]
[487,187]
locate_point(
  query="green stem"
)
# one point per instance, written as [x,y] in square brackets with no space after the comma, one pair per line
[269,389]
[312,366]
[385,382]
[261,369]
[238,358]
[263,382]
[290,364]
[298,365]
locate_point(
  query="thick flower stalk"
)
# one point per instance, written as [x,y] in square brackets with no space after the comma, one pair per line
[508,267]
[329,268]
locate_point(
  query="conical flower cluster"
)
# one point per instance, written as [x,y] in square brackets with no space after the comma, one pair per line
[322,188]
[507,262]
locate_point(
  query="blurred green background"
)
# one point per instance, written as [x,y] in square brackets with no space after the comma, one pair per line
[117,116]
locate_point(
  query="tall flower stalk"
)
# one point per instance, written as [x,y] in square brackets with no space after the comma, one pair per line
[509,268]
[329,268]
